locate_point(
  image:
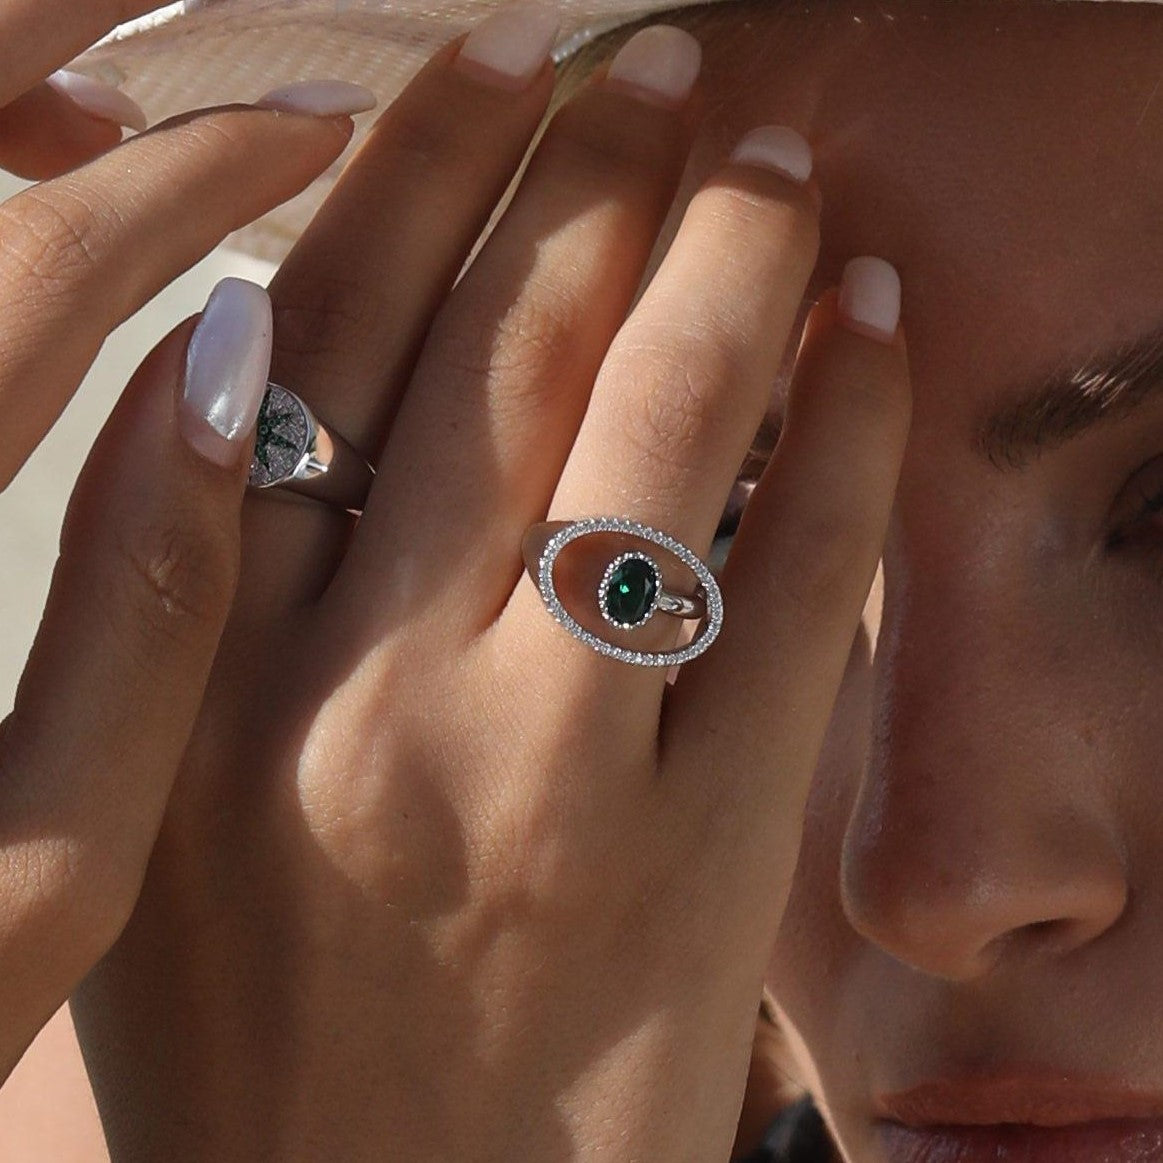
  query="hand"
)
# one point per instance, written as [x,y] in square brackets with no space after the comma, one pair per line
[52,123]
[437,881]
[81,253]
[147,566]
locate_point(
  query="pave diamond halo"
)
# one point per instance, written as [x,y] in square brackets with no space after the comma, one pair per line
[632,589]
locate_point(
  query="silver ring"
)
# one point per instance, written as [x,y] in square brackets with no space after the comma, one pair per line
[293,450]
[631,590]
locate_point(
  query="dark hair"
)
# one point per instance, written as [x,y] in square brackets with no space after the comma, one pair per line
[798,1135]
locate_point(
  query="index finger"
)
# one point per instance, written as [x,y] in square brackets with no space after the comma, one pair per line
[37,37]
[82,253]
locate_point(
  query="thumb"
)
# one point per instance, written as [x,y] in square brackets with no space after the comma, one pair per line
[107,704]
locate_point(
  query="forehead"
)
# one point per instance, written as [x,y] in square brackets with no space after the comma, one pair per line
[1007,157]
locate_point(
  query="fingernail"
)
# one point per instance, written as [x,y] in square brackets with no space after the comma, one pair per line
[660,63]
[98,99]
[870,298]
[511,47]
[319,99]
[228,364]
[776,147]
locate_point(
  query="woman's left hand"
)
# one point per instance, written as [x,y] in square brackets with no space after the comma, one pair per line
[438,881]
[53,119]
[148,555]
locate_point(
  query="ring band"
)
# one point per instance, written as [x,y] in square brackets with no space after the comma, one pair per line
[631,590]
[293,450]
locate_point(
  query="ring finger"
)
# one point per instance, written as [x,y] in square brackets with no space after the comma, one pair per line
[689,377]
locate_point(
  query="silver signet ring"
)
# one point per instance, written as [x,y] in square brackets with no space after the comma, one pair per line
[294,450]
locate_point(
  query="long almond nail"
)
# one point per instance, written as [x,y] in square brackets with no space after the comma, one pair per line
[228,364]
[98,99]
[319,99]
[870,298]
[511,47]
[660,64]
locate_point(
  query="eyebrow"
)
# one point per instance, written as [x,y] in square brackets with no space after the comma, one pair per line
[1071,401]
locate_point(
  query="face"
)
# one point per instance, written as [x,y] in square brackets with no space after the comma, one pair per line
[978,899]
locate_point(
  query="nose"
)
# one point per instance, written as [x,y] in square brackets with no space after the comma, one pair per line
[982,831]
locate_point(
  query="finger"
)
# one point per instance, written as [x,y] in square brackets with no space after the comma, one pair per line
[115,679]
[37,37]
[689,377]
[353,302]
[356,296]
[82,253]
[803,561]
[46,132]
[512,356]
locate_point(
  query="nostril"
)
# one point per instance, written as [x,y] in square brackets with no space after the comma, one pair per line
[1040,928]
[955,896]
[1051,937]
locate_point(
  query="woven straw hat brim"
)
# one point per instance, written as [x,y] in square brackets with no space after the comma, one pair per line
[208,52]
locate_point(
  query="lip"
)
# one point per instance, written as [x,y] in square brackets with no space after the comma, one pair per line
[1035,1117]
[1040,1099]
[1119,1141]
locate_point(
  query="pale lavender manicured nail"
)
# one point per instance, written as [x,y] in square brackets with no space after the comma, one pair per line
[98,99]
[870,298]
[228,364]
[776,147]
[512,46]
[319,99]
[661,63]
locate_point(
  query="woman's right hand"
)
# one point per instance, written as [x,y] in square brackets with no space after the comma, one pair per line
[139,597]
[437,881]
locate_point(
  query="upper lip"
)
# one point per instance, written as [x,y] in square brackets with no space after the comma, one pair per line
[1036,1098]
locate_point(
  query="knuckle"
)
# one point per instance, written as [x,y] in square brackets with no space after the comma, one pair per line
[318,322]
[430,142]
[817,582]
[677,410]
[599,140]
[214,134]
[871,388]
[53,239]
[179,580]
[516,355]
[426,145]
[786,223]
[858,391]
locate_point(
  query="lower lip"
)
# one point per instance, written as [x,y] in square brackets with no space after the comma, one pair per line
[1122,1141]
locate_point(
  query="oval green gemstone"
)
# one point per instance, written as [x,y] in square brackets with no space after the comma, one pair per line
[630,592]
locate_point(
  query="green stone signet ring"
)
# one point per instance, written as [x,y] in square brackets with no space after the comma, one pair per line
[294,450]
[632,589]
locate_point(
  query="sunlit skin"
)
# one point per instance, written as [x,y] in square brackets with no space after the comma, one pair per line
[978,877]
[978,880]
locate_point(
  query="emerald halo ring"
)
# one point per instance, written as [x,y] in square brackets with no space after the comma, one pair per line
[631,590]
[293,450]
